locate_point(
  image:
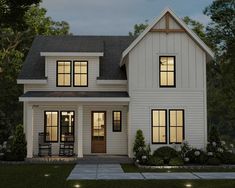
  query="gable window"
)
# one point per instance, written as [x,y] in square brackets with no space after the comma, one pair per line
[159,126]
[167,71]
[176,126]
[80,73]
[117,121]
[63,74]
[51,126]
[67,126]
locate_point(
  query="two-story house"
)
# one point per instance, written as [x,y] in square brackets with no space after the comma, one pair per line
[101,89]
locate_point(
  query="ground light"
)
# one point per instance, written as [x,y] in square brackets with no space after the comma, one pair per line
[77,185]
[188,185]
[46,175]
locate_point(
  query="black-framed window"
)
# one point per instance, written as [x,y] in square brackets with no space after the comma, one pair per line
[176,122]
[159,126]
[117,121]
[80,73]
[167,71]
[51,125]
[63,74]
[67,126]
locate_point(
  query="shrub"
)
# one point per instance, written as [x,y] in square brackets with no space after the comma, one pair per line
[228,158]
[165,153]
[141,151]
[196,156]
[213,161]
[184,149]
[177,161]
[155,161]
[18,149]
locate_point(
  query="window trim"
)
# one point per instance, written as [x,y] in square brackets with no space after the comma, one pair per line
[80,73]
[120,130]
[45,123]
[166,86]
[183,127]
[165,126]
[64,126]
[58,73]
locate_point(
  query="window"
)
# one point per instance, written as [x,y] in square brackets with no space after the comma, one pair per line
[80,73]
[176,126]
[63,73]
[159,127]
[67,126]
[167,71]
[51,126]
[117,121]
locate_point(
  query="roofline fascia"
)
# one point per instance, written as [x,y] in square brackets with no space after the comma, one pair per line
[31,81]
[72,54]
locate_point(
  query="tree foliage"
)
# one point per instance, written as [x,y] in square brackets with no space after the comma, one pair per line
[138,29]
[20,22]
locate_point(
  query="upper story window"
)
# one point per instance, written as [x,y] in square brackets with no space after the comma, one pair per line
[167,71]
[63,74]
[80,73]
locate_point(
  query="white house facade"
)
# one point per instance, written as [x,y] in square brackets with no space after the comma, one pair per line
[95,92]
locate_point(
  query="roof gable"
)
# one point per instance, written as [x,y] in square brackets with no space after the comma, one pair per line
[161,25]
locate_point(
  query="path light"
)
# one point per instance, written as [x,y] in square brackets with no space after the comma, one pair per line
[188,185]
[77,185]
[168,171]
[46,175]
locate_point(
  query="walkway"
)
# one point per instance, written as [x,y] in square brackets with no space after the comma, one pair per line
[115,172]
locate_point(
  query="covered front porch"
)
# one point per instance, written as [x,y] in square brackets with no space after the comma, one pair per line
[99,126]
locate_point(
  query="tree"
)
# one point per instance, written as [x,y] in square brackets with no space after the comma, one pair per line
[138,29]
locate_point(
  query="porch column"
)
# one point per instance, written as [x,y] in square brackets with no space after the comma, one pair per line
[29,131]
[80,129]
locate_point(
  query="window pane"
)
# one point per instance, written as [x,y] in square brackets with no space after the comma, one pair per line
[172,118]
[162,134]
[163,78]
[170,64]
[60,79]
[67,79]
[172,134]
[156,134]
[77,67]
[170,78]
[77,79]
[83,79]
[155,118]
[162,118]
[179,134]
[163,61]
[83,67]
[179,118]
[54,121]
[60,67]
[67,68]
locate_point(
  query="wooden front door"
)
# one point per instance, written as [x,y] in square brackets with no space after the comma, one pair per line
[98,132]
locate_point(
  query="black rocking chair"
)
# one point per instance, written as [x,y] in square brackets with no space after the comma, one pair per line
[67,147]
[43,147]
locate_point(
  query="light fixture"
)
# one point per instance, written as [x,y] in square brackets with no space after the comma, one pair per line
[77,185]
[66,119]
[188,185]
[46,175]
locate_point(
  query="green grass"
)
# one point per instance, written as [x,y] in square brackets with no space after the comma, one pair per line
[32,176]
[133,168]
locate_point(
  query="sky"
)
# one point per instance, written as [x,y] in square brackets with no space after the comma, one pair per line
[117,17]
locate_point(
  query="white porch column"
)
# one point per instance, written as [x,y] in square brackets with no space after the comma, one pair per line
[29,130]
[80,131]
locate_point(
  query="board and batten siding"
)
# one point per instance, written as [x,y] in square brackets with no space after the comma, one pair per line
[93,73]
[116,142]
[189,93]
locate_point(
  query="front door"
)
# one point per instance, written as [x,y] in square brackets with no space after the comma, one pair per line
[98,132]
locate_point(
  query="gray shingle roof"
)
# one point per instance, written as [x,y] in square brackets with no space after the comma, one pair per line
[75,94]
[112,46]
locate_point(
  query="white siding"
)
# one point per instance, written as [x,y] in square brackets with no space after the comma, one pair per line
[93,73]
[116,142]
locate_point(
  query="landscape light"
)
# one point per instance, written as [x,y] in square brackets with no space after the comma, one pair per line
[188,185]
[77,185]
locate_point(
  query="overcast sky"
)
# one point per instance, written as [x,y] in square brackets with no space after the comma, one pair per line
[117,17]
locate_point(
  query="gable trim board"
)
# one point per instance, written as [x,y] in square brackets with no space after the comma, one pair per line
[168,11]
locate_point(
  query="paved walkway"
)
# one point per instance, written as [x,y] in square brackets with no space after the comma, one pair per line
[114,172]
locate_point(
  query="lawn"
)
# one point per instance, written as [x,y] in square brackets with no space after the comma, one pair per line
[133,168]
[50,176]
